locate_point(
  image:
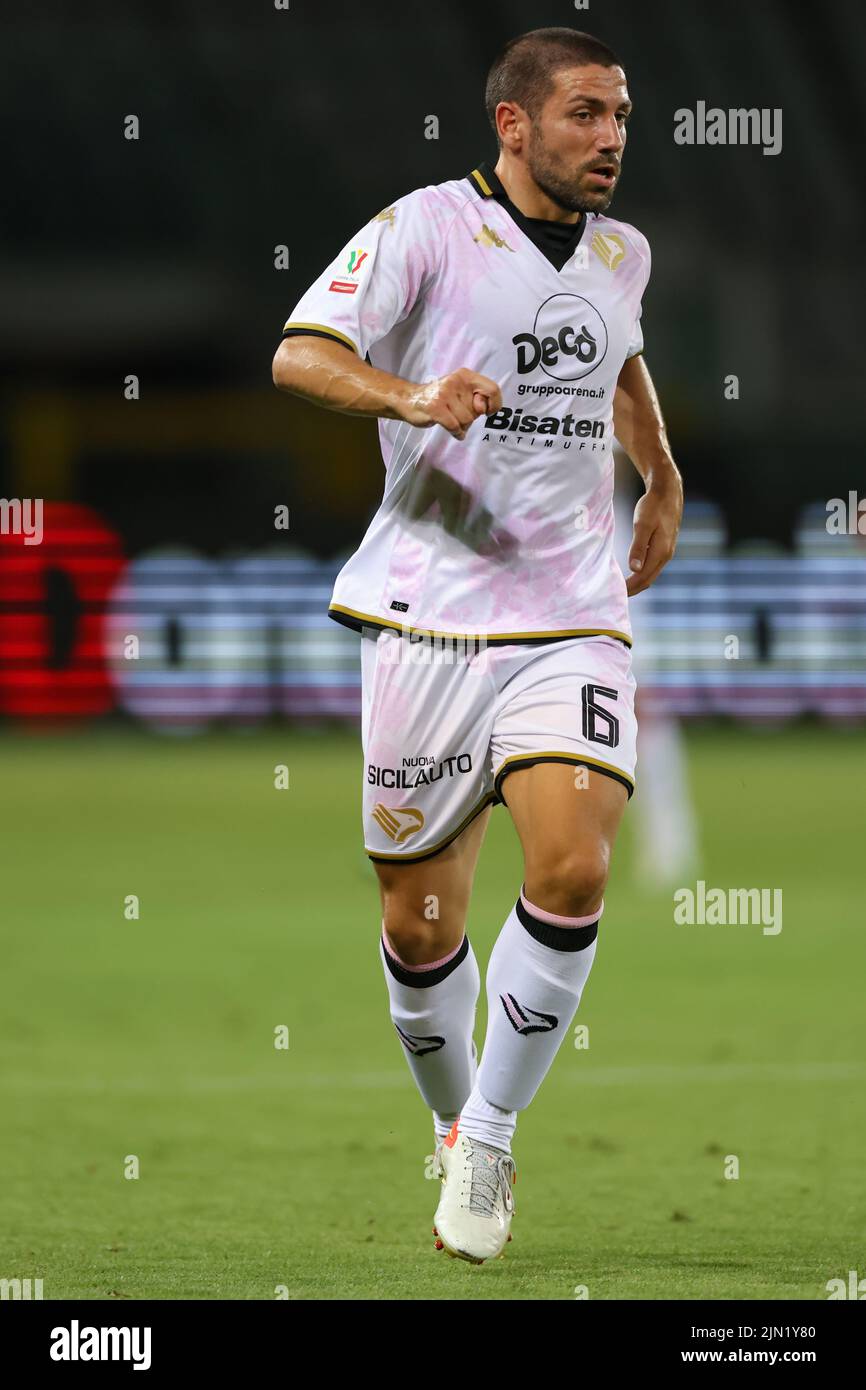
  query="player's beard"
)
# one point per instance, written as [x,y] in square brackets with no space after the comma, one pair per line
[561,188]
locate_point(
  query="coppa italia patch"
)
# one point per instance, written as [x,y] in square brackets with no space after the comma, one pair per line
[357,257]
[356,260]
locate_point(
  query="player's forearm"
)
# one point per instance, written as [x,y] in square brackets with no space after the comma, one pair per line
[333,376]
[328,374]
[640,428]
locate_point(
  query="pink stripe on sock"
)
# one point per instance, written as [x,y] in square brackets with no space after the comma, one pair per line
[433,965]
[554,920]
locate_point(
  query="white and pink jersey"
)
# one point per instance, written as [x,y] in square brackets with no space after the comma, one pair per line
[508,533]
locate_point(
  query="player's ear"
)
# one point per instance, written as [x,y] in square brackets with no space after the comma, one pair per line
[508,115]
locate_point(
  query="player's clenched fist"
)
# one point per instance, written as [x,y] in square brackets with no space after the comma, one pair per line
[452,401]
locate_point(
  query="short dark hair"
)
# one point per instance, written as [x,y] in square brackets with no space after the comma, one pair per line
[524,70]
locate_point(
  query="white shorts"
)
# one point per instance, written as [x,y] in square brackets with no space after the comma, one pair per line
[441,728]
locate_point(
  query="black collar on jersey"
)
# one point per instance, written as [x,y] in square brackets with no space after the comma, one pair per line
[555,240]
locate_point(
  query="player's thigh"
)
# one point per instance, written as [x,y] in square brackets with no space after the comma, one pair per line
[424,903]
[565,815]
[564,754]
[567,818]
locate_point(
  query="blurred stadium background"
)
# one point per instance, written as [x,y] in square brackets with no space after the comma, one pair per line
[155,258]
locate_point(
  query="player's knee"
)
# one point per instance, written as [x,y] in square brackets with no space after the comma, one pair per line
[415,935]
[570,883]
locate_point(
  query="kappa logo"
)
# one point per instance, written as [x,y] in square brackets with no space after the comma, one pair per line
[419,1046]
[609,247]
[524,1020]
[487,237]
[398,824]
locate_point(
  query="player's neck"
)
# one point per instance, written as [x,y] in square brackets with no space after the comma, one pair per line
[525,193]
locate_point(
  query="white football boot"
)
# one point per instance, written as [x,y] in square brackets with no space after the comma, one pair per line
[437,1159]
[473,1219]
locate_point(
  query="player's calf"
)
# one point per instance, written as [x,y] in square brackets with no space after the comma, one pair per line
[544,954]
[431,972]
[432,1008]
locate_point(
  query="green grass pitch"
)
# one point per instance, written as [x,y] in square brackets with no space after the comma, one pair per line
[305,1168]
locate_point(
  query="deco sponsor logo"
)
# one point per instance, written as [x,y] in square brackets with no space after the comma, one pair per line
[568,339]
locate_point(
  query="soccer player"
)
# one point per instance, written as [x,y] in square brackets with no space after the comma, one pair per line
[492,324]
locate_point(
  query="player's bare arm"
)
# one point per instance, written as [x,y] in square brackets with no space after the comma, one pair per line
[640,429]
[333,376]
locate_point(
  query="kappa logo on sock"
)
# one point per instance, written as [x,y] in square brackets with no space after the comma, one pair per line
[524,1020]
[419,1046]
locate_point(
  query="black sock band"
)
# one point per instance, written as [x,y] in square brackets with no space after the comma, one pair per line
[423,979]
[557,938]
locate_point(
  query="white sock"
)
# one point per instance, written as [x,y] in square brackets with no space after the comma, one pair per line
[487,1123]
[442,1123]
[535,978]
[433,1010]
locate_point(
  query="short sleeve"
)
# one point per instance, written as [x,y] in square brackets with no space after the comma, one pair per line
[375,280]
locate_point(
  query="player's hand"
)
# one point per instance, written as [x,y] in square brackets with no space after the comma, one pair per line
[657,519]
[453,401]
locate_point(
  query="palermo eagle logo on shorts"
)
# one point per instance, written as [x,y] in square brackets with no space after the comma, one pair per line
[524,1020]
[398,825]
